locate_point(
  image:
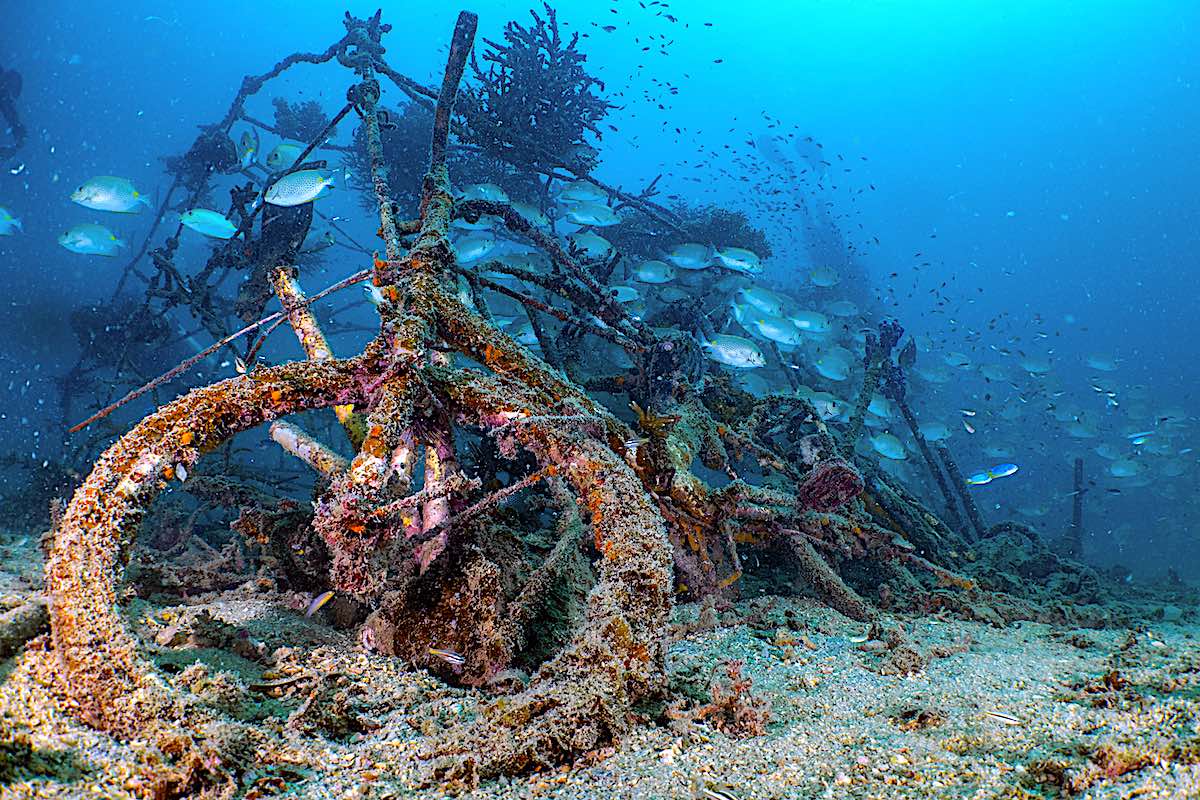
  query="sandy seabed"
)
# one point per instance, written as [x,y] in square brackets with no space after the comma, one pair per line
[1025,711]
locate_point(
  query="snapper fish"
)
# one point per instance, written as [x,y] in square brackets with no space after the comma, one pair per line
[888,446]
[485,191]
[209,223]
[324,239]
[473,248]
[934,431]
[582,192]
[531,213]
[92,240]
[739,259]
[764,300]
[248,146]
[842,308]
[624,294]
[824,277]
[834,364]
[595,214]
[689,255]
[9,223]
[298,188]
[283,156]
[592,245]
[777,329]
[654,272]
[110,193]
[733,351]
[1124,468]
[811,321]
[1035,366]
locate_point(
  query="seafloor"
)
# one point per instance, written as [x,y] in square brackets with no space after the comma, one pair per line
[1016,712]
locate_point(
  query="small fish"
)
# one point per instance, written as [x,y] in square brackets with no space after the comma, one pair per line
[1000,716]
[248,147]
[594,214]
[739,259]
[209,223]
[888,446]
[969,428]
[181,472]
[485,191]
[689,255]
[318,601]
[283,156]
[593,245]
[473,248]
[624,294]
[858,639]
[110,193]
[373,294]
[91,239]
[1003,470]
[654,272]
[9,223]
[979,479]
[298,188]
[582,192]
[824,277]
[239,366]
[449,656]
[733,351]
[966,412]
[708,790]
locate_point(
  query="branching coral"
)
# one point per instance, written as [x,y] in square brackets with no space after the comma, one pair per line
[535,102]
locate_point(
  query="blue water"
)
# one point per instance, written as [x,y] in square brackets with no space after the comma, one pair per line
[1017,175]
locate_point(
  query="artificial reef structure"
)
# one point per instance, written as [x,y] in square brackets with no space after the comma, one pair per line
[495,504]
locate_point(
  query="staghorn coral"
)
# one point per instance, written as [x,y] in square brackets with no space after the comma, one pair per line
[535,103]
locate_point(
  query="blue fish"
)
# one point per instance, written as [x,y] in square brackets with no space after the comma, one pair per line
[979,479]
[1003,470]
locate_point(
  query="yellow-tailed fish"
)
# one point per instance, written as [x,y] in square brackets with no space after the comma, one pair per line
[110,193]
[298,188]
[283,156]
[733,351]
[318,601]
[90,239]
[248,147]
[209,223]
[449,656]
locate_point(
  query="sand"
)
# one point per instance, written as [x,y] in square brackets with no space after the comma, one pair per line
[837,728]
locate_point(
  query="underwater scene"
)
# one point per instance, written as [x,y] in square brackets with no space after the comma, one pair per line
[606,399]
